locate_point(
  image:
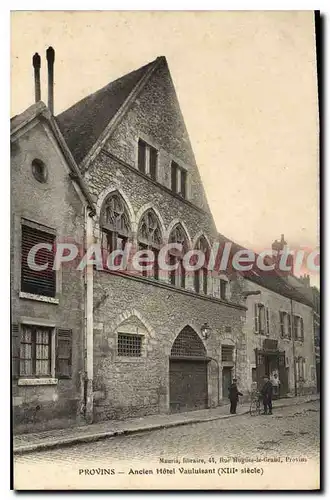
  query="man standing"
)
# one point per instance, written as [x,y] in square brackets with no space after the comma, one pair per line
[267,395]
[276,384]
[233,396]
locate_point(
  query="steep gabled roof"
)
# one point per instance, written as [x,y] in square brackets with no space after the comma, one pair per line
[83,123]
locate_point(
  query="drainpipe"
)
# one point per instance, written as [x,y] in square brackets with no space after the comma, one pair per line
[293,351]
[89,323]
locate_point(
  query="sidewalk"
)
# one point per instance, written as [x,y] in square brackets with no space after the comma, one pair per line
[25,443]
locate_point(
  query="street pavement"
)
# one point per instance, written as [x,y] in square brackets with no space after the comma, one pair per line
[291,433]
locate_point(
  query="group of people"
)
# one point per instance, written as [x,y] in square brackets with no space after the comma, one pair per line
[266,393]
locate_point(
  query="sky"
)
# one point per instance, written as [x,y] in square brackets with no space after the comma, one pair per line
[247,86]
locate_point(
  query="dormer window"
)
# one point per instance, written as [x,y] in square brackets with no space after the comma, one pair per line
[147,159]
[178,180]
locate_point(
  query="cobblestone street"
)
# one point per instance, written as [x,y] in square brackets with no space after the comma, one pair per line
[291,433]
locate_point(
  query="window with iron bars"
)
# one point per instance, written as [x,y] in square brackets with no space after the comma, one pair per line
[129,345]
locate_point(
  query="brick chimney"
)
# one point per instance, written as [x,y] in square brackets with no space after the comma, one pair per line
[50,54]
[36,62]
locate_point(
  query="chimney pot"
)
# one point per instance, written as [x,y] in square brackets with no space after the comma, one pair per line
[36,62]
[50,55]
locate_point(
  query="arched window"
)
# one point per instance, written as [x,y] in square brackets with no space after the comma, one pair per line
[150,238]
[178,275]
[188,344]
[115,223]
[201,275]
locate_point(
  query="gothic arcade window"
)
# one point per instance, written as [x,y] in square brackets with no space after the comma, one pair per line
[150,238]
[200,275]
[115,223]
[178,275]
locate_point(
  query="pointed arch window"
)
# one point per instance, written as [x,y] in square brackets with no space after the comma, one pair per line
[201,275]
[115,223]
[188,344]
[150,238]
[178,275]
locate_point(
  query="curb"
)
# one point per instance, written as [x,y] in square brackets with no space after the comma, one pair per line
[21,450]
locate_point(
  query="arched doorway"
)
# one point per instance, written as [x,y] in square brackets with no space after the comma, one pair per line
[188,373]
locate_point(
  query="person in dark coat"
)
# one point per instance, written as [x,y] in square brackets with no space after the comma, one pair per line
[267,396]
[233,396]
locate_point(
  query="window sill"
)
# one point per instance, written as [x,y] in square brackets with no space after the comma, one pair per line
[39,298]
[37,381]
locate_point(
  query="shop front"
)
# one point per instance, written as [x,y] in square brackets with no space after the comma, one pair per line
[270,361]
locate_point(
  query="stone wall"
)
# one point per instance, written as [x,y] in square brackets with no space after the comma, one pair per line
[140,386]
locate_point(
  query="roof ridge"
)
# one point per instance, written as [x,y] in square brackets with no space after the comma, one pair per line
[87,122]
[120,112]
[106,86]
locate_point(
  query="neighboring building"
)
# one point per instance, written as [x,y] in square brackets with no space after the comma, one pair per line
[279,331]
[313,294]
[47,308]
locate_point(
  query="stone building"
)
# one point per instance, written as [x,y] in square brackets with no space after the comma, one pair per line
[141,341]
[135,155]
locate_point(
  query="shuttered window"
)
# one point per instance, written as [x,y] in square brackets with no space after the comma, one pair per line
[261,319]
[36,281]
[63,353]
[256,318]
